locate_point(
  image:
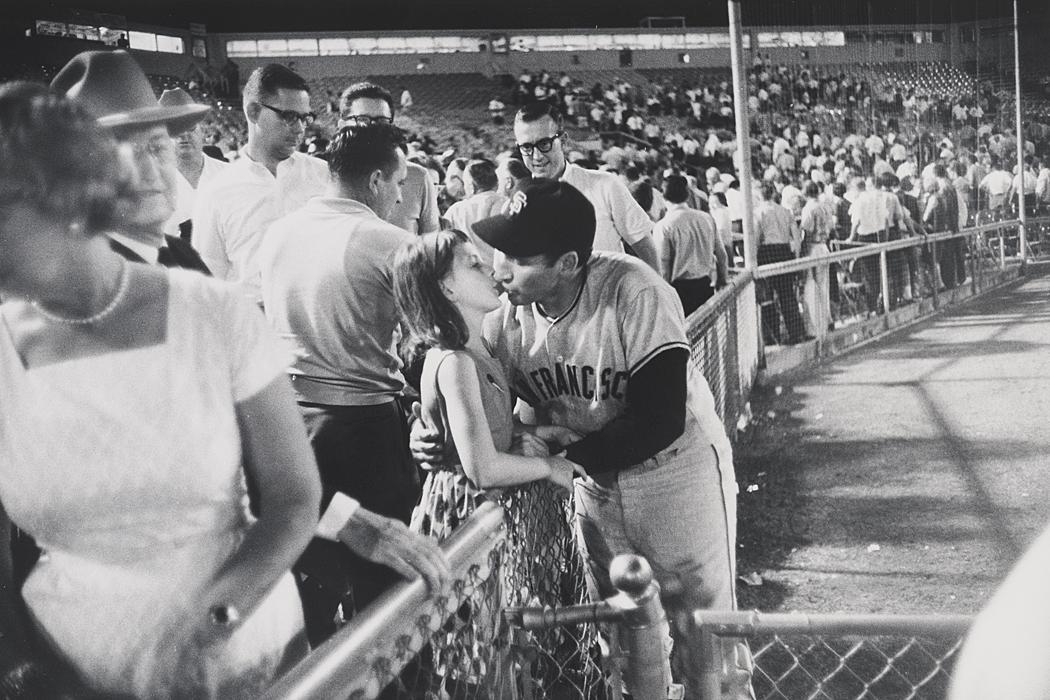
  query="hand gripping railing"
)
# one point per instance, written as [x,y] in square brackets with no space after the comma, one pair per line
[636,608]
[366,654]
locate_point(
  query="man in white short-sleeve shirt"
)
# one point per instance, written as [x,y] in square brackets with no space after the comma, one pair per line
[269,180]
[620,219]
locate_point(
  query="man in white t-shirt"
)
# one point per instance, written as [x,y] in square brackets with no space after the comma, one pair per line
[621,221]
[996,184]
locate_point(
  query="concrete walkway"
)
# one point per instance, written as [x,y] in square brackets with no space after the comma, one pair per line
[908,475]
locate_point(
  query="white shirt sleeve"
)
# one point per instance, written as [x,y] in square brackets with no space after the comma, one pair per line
[629,219]
[339,511]
[207,234]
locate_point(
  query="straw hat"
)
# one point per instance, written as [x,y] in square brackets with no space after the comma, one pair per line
[111,86]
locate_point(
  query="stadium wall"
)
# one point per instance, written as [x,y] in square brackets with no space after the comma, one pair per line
[314,67]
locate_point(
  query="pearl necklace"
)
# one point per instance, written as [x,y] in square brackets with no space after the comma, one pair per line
[118,296]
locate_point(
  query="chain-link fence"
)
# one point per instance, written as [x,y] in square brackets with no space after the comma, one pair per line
[723,340]
[833,657]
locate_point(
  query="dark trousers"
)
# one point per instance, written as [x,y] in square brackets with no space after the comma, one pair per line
[782,292]
[693,293]
[951,258]
[361,451]
[870,269]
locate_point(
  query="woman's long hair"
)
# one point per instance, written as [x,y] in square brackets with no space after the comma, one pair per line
[419,267]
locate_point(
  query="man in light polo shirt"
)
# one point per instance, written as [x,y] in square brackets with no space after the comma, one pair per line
[269,180]
[621,220]
[327,283]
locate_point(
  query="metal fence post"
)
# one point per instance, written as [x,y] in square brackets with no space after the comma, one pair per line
[709,667]
[884,281]
[971,248]
[643,627]
[933,276]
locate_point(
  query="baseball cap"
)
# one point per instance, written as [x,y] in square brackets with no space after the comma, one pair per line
[547,217]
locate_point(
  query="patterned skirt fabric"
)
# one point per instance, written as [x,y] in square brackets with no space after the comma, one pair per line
[476,653]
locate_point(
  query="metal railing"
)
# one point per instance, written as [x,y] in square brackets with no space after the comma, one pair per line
[366,655]
[837,657]
[826,293]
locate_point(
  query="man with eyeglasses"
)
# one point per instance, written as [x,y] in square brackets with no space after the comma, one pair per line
[363,104]
[270,179]
[114,88]
[621,220]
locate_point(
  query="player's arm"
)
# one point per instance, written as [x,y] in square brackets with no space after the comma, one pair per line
[483,464]
[655,417]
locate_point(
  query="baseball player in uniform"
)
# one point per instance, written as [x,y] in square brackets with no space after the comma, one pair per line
[596,342]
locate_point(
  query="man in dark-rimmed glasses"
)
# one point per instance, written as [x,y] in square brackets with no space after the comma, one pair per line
[269,180]
[621,221]
[363,104]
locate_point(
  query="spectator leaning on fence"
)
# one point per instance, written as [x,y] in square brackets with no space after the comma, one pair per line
[778,239]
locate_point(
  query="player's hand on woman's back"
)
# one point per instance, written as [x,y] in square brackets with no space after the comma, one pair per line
[424,442]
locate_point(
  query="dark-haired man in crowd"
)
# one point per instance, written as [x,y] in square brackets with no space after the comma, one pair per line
[621,221]
[362,104]
[480,183]
[326,274]
[513,175]
[692,256]
[270,179]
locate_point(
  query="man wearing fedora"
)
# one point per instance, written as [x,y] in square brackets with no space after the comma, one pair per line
[111,86]
[270,179]
[196,169]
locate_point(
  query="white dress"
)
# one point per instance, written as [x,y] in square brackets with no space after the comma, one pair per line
[126,468]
